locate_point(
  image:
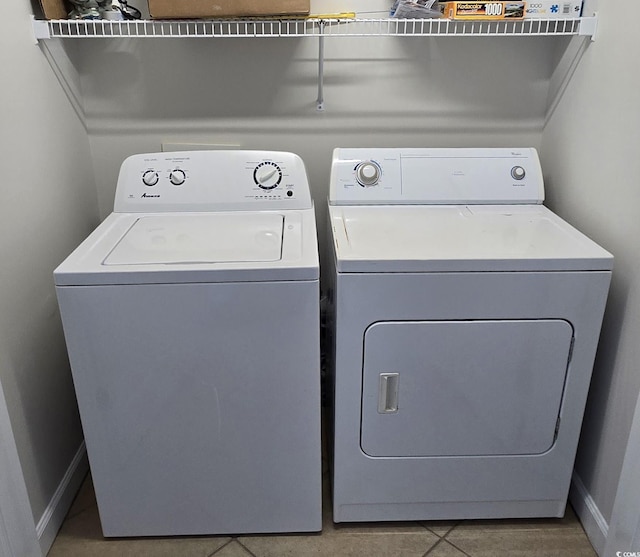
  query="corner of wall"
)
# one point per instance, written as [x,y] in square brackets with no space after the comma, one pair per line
[55,512]
[594,524]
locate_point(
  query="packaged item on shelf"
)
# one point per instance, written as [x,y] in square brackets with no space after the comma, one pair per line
[114,10]
[411,9]
[553,9]
[170,9]
[54,9]
[484,10]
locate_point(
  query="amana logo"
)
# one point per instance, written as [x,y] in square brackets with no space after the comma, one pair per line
[145,194]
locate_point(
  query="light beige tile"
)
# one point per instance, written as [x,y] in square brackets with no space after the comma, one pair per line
[377,528]
[232,549]
[344,544]
[81,535]
[445,549]
[568,522]
[522,538]
[85,498]
[185,547]
[440,527]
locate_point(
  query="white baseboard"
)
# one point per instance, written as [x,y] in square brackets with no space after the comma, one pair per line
[53,516]
[593,522]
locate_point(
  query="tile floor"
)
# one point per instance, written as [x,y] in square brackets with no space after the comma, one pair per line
[81,536]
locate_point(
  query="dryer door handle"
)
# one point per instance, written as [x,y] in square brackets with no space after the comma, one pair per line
[388,393]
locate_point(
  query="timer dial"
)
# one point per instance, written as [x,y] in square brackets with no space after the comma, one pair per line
[267,175]
[367,173]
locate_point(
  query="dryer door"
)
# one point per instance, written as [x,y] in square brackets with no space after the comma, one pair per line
[463,388]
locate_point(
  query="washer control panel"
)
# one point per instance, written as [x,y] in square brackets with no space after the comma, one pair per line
[435,176]
[212,181]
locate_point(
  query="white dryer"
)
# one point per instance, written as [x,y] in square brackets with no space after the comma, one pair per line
[465,318]
[191,316]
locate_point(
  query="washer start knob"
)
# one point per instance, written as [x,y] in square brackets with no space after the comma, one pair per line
[518,173]
[367,173]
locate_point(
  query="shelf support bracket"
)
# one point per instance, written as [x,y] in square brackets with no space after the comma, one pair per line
[589,26]
[320,101]
[569,62]
[40,29]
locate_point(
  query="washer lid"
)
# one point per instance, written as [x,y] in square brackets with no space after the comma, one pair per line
[215,238]
[454,238]
[172,248]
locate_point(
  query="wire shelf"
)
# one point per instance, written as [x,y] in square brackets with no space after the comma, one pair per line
[309,27]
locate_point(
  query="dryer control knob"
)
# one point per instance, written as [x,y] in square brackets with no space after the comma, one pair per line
[367,173]
[150,178]
[177,177]
[518,173]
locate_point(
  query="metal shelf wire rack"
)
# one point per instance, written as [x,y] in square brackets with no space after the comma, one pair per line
[310,27]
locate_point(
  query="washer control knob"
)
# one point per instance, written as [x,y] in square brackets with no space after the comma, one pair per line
[150,178]
[267,175]
[367,173]
[177,177]
[518,173]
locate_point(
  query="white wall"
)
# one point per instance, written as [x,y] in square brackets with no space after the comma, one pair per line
[624,526]
[48,204]
[261,93]
[592,167]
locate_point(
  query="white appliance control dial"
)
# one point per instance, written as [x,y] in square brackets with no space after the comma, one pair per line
[150,178]
[367,173]
[177,177]
[267,175]
[518,173]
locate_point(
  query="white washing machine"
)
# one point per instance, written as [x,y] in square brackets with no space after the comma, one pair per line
[191,316]
[465,319]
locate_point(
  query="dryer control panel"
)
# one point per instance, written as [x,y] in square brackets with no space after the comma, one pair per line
[205,181]
[435,176]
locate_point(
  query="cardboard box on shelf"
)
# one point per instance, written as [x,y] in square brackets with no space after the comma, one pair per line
[553,9]
[483,10]
[54,9]
[170,9]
